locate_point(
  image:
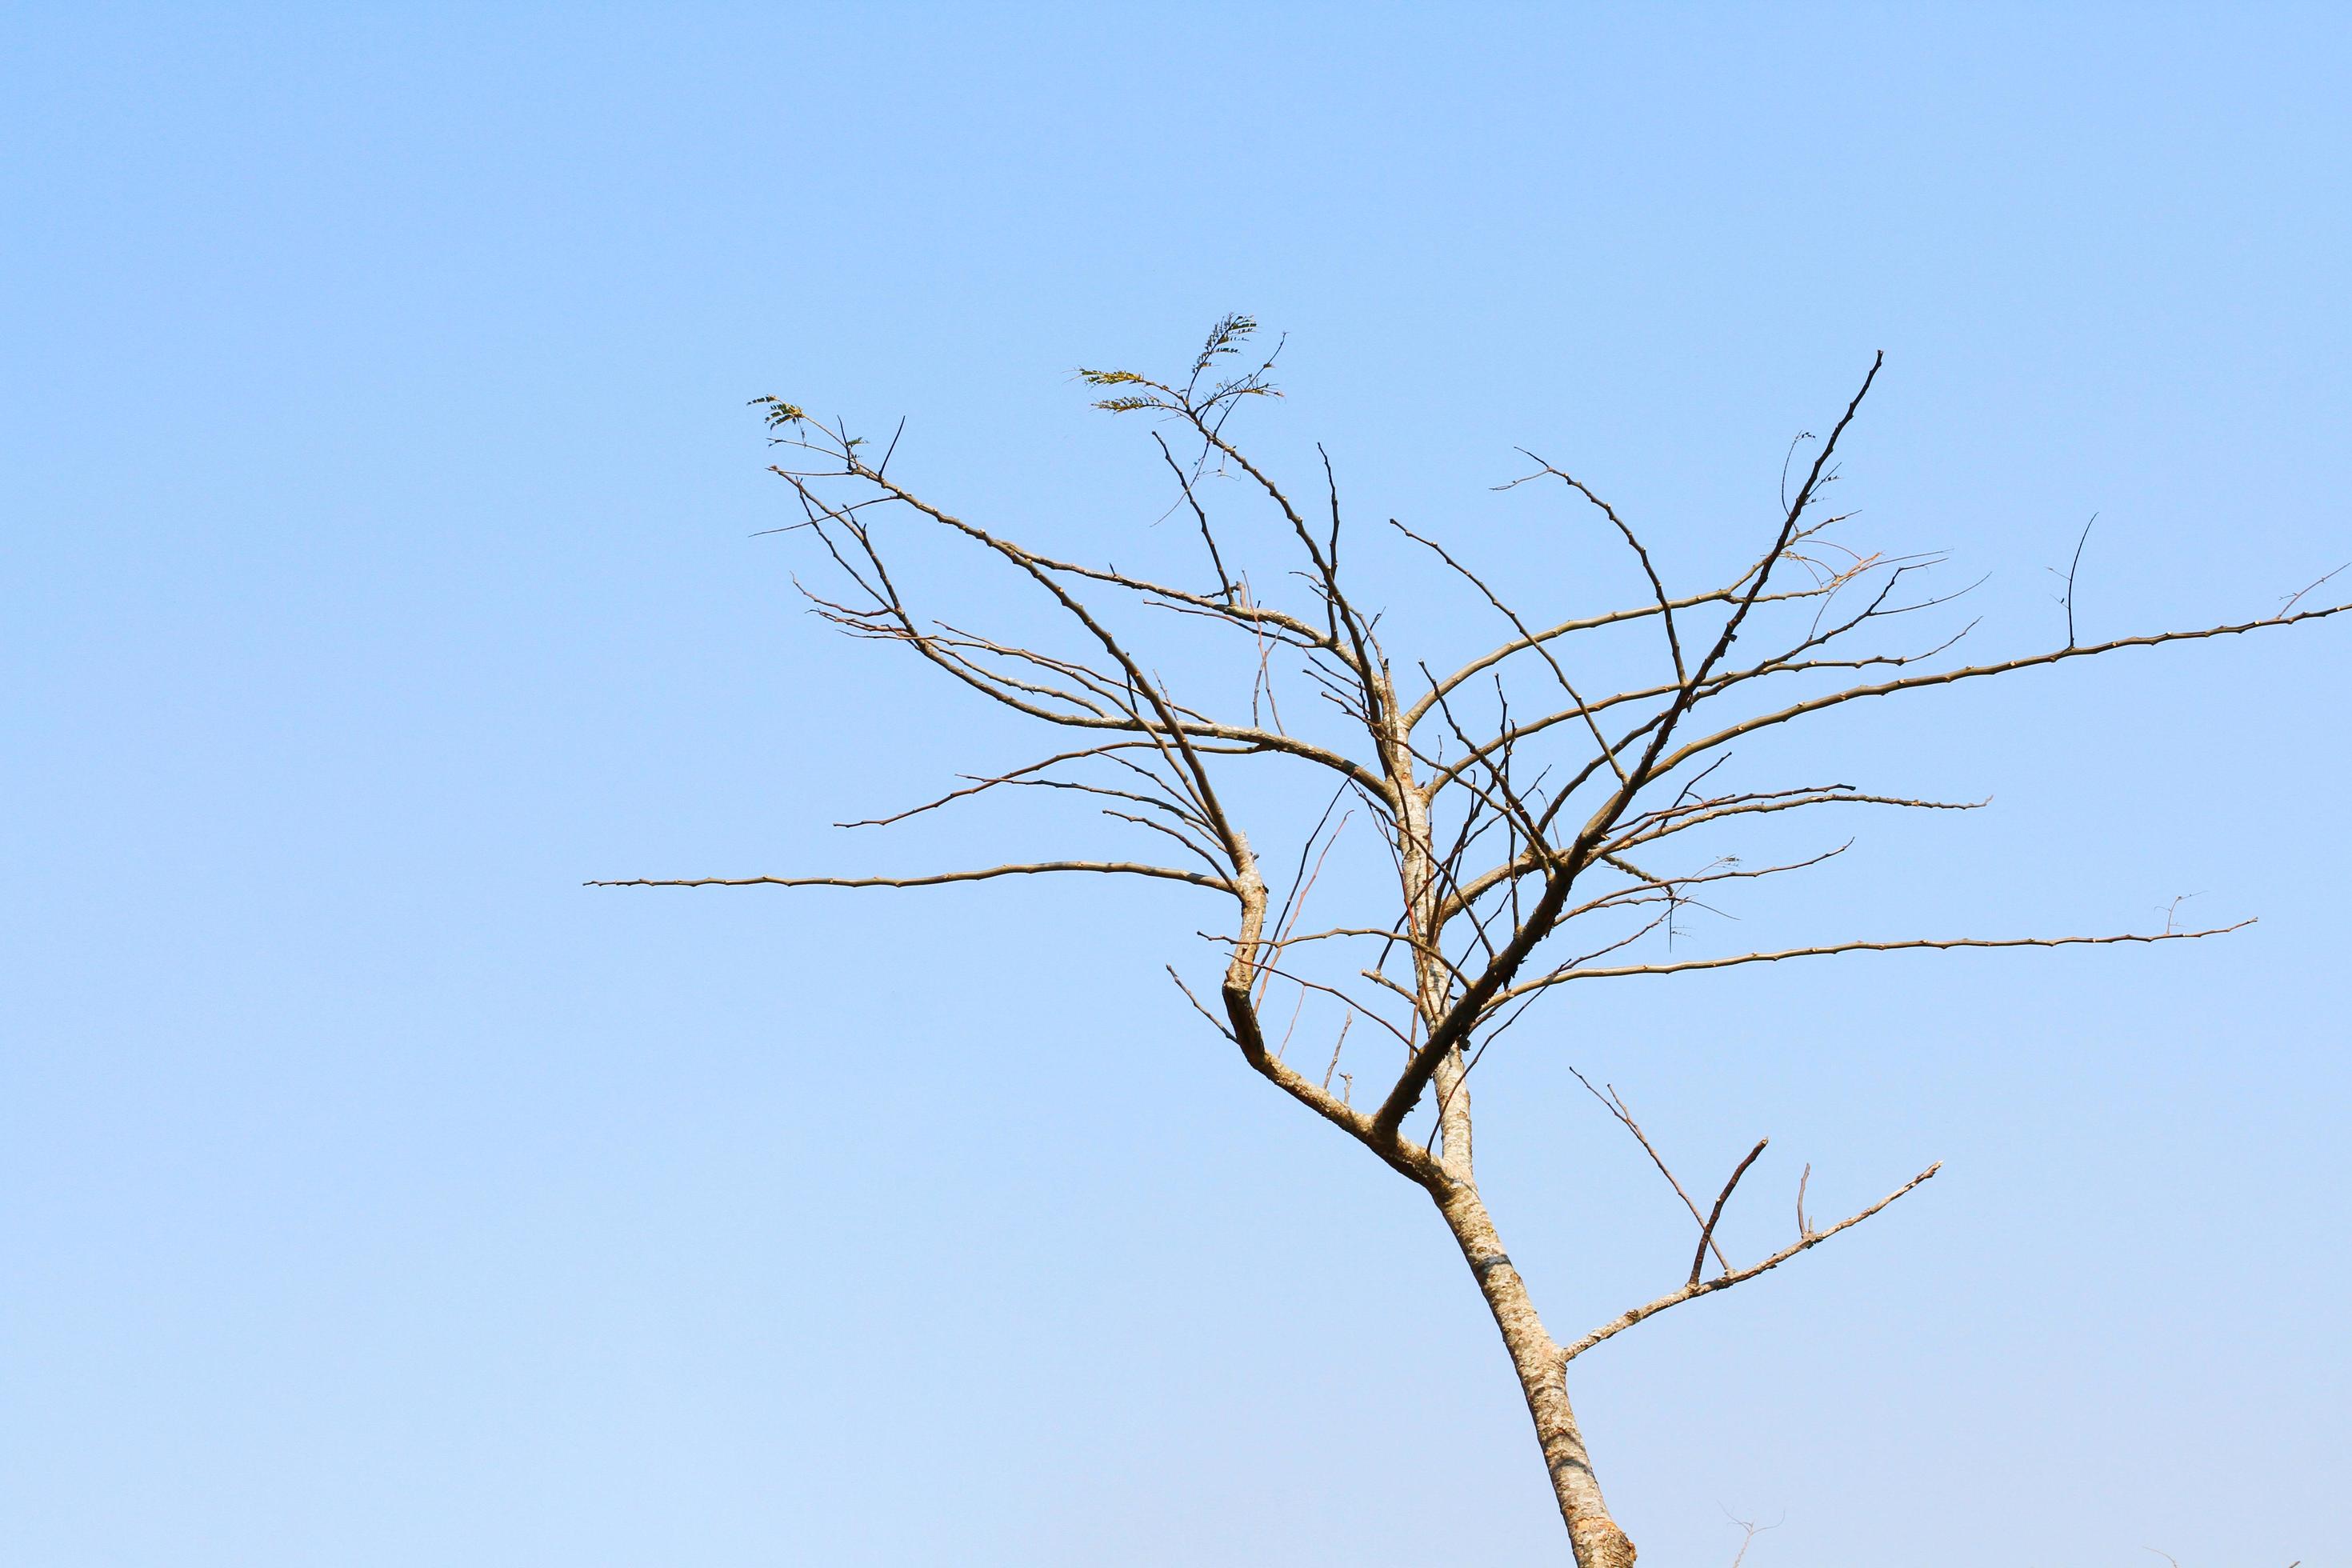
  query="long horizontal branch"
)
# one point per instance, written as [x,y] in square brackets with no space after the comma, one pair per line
[1033,868]
[1618,971]
[1693,1291]
[1944,677]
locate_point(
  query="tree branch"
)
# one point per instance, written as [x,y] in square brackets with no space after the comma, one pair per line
[1617,972]
[1691,1292]
[1110,868]
[1706,1232]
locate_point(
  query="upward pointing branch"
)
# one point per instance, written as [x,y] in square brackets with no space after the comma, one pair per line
[1706,1232]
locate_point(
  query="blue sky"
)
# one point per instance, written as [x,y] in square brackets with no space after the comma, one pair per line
[380,567]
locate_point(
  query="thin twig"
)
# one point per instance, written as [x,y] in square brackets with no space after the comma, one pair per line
[1616,1107]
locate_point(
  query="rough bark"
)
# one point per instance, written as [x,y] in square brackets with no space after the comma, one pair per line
[1593,1535]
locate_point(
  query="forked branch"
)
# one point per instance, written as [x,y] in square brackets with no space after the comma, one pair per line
[1693,1291]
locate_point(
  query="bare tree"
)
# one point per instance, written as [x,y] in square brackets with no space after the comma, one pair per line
[1532,831]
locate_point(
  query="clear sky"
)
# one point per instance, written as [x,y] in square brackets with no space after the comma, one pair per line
[378,567]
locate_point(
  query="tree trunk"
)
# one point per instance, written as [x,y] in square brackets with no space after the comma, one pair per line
[1597,1540]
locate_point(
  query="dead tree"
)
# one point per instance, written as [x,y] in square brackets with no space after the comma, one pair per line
[1533,832]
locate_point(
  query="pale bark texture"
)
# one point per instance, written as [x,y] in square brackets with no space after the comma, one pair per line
[1521,833]
[1536,1358]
